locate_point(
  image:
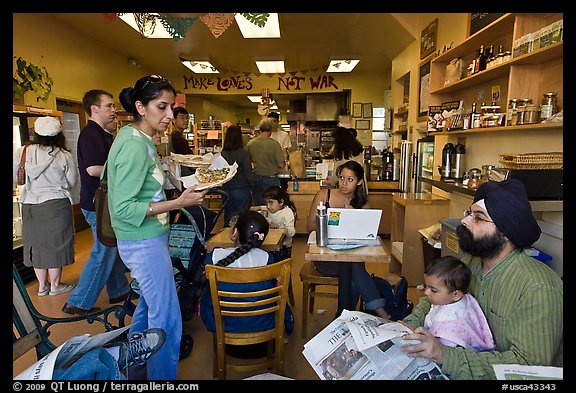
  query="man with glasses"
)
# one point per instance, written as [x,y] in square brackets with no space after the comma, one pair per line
[521,297]
[104,266]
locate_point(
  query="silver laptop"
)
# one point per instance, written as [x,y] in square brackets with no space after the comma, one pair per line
[353,225]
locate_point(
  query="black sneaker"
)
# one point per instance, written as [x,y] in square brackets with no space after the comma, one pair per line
[139,347]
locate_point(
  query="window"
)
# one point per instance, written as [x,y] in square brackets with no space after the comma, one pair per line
[379,129]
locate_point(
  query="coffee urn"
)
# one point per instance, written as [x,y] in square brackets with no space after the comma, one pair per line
[457,168]
[446,168]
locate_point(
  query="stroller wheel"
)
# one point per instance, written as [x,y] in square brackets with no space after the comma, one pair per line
[186,345]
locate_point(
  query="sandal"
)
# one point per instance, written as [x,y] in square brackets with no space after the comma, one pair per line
[44,292]
[65,288]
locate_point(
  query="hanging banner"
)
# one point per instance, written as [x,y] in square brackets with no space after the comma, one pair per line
[253,84]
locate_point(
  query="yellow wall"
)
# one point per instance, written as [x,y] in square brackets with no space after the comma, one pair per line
[75,62]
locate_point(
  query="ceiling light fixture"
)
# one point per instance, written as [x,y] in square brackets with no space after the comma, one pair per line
[342,65]
[200,67]
[270,67]
[151,30]
[249,30]
[257,99]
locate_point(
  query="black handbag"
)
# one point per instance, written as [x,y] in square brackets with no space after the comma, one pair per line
[104,230]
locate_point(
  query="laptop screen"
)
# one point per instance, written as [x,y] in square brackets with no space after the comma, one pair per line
[353,223]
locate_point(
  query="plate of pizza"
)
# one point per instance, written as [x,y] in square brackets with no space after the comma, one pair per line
[192,160]
[218,173]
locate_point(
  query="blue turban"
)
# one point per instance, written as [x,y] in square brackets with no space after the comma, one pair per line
[507,204]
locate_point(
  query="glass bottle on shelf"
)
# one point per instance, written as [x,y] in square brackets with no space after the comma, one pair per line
[481,66]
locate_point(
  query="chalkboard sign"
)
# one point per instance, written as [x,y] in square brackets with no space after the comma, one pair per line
[479,20]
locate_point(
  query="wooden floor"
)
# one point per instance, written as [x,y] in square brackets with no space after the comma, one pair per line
[198,366]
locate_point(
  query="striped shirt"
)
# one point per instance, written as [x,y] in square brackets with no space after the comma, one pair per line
[522,299]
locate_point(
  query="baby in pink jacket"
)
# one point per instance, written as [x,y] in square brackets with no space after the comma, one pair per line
[455,317]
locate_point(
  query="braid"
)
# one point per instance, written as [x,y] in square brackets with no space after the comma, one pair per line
[252,229]
[237,253]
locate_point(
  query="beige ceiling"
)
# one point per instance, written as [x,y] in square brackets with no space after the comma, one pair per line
[308,42]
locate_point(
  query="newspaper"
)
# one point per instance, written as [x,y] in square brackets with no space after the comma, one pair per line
[66,354]
[360,346]
[520,372]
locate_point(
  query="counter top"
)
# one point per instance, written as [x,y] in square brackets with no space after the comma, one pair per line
[449,186]
[458,186]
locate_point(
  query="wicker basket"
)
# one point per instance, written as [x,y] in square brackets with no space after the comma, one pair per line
[550,160]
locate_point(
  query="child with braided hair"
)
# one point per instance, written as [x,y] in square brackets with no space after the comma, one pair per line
[247,232]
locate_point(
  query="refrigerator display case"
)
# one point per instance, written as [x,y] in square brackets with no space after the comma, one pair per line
[423,164]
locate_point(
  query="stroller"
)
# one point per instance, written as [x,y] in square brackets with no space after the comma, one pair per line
[190,228]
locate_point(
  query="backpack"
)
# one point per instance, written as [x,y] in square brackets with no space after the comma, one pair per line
[396,297]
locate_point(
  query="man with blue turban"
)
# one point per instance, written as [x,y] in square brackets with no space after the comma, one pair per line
[521,297]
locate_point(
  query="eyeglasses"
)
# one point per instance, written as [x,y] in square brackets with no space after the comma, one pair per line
[109,106]
[475,217]
[153,79]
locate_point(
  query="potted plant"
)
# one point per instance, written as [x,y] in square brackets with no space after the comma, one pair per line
[30,77]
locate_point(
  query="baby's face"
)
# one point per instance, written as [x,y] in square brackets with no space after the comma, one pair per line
[437,292]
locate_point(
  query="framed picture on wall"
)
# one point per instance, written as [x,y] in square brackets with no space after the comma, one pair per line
[428,39]
[367,110]
[357,109]
[362,124]
[424,89]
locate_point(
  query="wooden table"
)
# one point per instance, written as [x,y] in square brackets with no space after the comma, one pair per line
[272,242]
[375,254]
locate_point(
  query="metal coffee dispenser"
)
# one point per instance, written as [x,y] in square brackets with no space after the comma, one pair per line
[446,168]
[457,162]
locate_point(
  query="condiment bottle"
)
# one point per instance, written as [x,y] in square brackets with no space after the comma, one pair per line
[295,185]
[321,225]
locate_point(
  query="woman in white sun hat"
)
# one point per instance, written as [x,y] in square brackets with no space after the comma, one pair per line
[47,230]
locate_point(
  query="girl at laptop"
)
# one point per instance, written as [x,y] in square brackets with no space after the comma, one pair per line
[350,194]
[281,213]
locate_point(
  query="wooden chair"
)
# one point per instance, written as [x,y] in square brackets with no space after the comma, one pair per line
[31,328]
[311,278]
[247,304]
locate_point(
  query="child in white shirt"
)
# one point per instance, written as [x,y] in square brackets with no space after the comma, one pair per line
[281,213]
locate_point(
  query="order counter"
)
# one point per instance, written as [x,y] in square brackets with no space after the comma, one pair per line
[379,195]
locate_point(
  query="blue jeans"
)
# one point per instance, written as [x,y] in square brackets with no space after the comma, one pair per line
[239,199]
[262,183]
[357,282]
[103,267]
[96,364]
[149,263]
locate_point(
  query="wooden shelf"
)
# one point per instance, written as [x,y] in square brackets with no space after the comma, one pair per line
[536,57]
[526,127]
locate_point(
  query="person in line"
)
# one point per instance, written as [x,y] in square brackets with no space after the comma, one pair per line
[239,188]
[177,142]
[267,159]
[139,212]
[248,233]
[283,139]
[521,297]
[278,133]
[280,212]
[350,194]
[346,147]
[455,317]
[354,134]
[104,266]
[46,201]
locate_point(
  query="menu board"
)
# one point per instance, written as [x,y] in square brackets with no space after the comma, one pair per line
[479,20]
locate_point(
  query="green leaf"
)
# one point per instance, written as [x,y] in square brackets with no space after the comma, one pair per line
[257,19]
[31,78]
